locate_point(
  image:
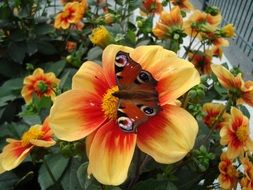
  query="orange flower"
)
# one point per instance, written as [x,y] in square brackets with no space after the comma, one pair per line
[40,84]
[247,181]
[201,22]
[235,134]
[70,46]
[201,60]
[17,150]
[168,23]
[214,38]
[228,175]
[72,13]
[242,91]
[213,110]
[183,4]
[151,6]
[90,110]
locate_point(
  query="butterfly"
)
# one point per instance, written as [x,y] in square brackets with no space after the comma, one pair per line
[138,98]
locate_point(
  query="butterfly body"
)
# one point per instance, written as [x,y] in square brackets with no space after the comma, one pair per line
[138,98]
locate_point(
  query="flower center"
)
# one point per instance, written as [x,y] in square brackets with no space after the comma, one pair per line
[242,133]
[110,103]
[33,133]
[41,86]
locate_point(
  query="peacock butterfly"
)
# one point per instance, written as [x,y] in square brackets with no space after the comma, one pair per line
[138,98]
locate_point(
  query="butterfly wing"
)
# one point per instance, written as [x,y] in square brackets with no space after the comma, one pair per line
[138,98]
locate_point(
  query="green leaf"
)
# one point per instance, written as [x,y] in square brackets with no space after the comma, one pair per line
[57,164]
[11,86]
[94,53]
[46,48]
[9,68]
[31,47]
[244,110]
[66,78]
[55,67]
[14,130]
[154,184]
[86,182]
[8,180]
[31,119]
[43,29]
[17,51]
[69,179]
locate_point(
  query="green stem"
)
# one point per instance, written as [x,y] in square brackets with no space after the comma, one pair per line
[58,185]
[190,44]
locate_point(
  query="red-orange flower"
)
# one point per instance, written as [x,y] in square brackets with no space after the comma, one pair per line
[235,134]
[217,51]
[241,90]
[90,110]
[212,112]
[40,84]
[201,60]
[72,13]
[70,46]
[183,4]
[247,180]
[168,23]
[151,6]
[228,177]
[17,150]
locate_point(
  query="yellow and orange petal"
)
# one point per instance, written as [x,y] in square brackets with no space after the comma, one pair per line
[89,110]
[17,150]
[78,116]
[40,84]
[226,78]
[172,18]
[228,177]
[247,180]
[236,134]
[163,131]
[168,21]
[244,90]
[72,13]
[183,4]
[213,111]
[111,153]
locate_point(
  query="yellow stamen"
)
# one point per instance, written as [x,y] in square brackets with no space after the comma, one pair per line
[33,133]
[242,133]
[110,103]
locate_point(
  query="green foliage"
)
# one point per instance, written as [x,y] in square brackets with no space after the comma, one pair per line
[57,164]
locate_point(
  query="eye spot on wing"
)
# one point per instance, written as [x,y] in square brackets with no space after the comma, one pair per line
[126,124]
[149,111]
[121,60]
[144,77]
